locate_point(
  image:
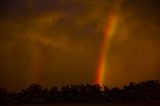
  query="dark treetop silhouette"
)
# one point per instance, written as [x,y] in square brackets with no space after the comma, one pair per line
[144,92]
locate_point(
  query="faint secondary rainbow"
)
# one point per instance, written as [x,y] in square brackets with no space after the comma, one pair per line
[36,64]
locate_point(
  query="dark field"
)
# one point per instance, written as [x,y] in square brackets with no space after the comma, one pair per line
[111,104]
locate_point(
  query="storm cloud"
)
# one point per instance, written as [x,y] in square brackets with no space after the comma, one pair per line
[57,42]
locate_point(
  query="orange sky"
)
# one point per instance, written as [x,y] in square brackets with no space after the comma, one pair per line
[58,42]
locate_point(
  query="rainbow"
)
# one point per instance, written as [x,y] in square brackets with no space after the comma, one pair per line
[108,34]
[109,30]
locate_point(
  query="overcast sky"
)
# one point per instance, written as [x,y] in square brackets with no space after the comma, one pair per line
[57,42]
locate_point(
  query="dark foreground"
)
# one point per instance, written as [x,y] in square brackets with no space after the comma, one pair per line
[144,93]
[106,104]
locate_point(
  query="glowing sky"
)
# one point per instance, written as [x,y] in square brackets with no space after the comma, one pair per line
[58,42]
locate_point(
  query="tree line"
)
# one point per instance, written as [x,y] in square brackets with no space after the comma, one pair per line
[148,91]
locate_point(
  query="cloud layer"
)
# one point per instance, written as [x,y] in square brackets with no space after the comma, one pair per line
[58,41]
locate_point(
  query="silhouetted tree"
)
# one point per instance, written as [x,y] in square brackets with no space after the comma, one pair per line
[53,95]
[4,96]
[148,91]
[33,94]
[106,95]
